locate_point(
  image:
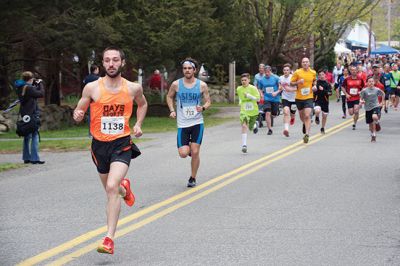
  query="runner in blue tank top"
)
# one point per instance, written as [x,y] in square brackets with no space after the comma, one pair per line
[192,99]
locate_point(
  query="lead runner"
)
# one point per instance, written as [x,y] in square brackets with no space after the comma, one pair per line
[189,92]
[111,102]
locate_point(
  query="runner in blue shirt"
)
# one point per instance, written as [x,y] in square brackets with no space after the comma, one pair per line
[270,89]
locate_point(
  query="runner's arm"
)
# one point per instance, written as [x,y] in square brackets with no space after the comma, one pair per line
[170,98]
[83,103]
[141,102]
[294,80]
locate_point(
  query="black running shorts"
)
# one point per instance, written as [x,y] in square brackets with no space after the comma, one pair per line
[368,114]
[272,107]
[301,104]
[292,105]
[193,134]
[351,104]
[324,106]
[104,153]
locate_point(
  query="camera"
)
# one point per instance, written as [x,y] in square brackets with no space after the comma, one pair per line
[36,82]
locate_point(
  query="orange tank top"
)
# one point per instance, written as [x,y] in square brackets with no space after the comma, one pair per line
[109,115]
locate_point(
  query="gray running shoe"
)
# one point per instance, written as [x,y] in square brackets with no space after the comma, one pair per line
[255,129]
[191,182]
[244,149]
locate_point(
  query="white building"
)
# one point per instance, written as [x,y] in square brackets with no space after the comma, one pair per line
[357,37]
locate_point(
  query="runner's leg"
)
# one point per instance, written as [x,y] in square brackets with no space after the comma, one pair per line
[195,163]
[111,183]
[307,119]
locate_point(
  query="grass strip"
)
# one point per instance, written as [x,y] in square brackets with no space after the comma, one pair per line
[10,166]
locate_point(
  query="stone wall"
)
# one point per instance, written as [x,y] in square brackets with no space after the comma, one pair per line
[56,117]
[219,93]
[52,117]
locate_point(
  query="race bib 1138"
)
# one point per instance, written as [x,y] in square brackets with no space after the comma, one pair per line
[112,125]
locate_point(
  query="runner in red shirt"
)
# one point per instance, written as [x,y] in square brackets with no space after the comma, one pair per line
[352,87]
[361,74]
[376,74]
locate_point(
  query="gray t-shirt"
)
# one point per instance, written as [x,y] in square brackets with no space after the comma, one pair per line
[370,96]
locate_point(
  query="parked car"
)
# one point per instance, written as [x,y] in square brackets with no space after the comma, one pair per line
[204,75]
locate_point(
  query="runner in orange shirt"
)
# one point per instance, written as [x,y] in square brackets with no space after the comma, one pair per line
[111,102]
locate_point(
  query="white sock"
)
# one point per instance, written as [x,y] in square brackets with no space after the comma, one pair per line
[244,139]
[286,126]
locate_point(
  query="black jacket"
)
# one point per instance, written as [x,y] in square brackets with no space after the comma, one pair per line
[28,100]
[322,95]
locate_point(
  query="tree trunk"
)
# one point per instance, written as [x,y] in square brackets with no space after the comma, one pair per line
[53,89]
[4,90]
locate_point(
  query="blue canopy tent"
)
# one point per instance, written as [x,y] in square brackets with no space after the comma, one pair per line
[384,49]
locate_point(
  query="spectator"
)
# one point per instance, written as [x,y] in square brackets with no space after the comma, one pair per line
[155,80]
[28,90]
[94,75]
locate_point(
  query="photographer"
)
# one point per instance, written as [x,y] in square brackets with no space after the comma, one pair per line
[28,90]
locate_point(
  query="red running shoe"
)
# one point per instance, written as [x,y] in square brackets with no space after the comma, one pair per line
[107,246]
[292,121]
[377,127]
[286,133]
[129,197]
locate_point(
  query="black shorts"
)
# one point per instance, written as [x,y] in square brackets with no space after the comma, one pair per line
[292,105]
[271,107]
[387,93]
[193,134]
[397,92]
[324,106]
[336,86]
[104,153]
[368,114]
[351,104]
[301,104]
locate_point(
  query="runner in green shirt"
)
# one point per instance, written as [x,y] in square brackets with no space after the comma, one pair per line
[248,97]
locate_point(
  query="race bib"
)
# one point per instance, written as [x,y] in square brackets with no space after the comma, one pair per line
[293,107]
[305,91]
[387,82]
[269,89]
[112,125]
[189,111]
[249,106]
[353,91]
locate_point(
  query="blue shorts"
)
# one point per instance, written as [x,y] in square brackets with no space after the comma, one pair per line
[193,134]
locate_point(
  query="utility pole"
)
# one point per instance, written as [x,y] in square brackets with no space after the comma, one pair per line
[389,18]
[311,41]
[370,35]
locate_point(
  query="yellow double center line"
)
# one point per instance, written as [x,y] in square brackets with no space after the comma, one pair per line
[230,177]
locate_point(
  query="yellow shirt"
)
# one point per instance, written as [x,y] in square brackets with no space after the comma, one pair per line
[304,91]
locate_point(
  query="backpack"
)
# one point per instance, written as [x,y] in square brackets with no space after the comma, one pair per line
[27,125]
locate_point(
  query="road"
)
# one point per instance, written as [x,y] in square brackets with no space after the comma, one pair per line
[333,201]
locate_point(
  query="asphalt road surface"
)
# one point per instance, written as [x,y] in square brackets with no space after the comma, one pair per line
[333,201]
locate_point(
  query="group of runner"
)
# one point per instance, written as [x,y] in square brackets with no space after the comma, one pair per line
[376,87]
[111,101]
